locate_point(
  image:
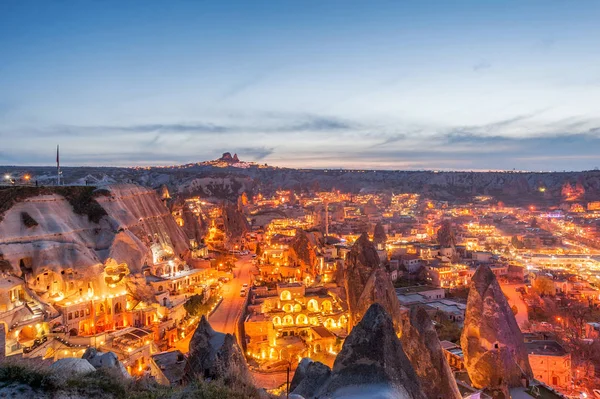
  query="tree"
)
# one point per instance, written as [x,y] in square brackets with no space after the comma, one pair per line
[447,330]
[195,305]
[544,286]
[517,243]
[259,250]
[379,236]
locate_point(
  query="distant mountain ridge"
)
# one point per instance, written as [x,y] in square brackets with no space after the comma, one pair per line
[227,177]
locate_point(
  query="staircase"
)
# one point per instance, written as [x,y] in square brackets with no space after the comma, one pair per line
[35,309]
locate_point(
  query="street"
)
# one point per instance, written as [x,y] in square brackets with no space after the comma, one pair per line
[514,298]
[225,318]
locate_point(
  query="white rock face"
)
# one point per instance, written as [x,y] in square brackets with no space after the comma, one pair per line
[136,220]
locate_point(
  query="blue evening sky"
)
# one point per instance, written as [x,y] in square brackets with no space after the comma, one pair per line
[376,84]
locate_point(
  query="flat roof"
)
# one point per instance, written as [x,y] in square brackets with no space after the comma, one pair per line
[416,289]
[545,347]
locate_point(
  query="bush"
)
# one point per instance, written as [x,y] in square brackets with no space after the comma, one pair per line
[82,198]
[27,220]
[22,374]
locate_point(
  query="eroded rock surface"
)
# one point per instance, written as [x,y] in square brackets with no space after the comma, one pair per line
[422,347]
[367,282]
[104,360]
[492,343]
[373,357]
[302,252]
[214,354]
[309,378]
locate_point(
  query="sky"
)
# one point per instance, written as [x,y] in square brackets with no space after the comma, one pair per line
[443,85]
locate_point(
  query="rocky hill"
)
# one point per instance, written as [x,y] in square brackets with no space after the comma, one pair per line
[131,220]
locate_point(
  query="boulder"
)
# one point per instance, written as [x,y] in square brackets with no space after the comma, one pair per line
[215,355]
[422,347]
[104,360]
[372,360]
[494,353]
[70,366]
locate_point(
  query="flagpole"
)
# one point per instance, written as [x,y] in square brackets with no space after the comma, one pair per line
[57,166]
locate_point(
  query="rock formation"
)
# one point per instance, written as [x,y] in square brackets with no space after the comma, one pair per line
[379,236]
[309,377]
[104,360]
[235,223]
[445,235]
[372,360]
[302,252]
[215,355]
[133,219]
[367,282]
[492,343]
[70,366]
[422,347]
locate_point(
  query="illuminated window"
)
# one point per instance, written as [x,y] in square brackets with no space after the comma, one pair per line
[286,296]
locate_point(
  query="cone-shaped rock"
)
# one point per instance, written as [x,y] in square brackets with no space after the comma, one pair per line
[367,282]
[422,346]
[214,354]
[309,377]
[492,343]
[372,359]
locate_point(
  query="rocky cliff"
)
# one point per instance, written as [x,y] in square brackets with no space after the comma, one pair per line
[422,346]
[367,282]
[372,361]
[492,343]
[215,355]
[134,219]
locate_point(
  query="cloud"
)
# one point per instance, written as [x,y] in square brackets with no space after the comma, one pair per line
[319,124]
[391,140]
[256,153]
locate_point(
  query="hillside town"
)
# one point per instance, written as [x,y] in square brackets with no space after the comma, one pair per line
[290,274]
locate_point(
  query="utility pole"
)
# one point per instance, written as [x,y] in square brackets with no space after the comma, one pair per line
[287,383]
